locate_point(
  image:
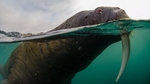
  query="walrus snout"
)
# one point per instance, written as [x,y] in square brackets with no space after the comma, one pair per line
[121,13]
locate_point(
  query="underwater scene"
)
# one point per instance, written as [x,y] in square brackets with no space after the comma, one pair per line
[105,67]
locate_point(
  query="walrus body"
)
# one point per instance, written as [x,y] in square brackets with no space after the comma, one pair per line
[57,61]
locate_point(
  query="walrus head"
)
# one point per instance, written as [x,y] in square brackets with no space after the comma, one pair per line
[109,13]
[91,17]
[115,13]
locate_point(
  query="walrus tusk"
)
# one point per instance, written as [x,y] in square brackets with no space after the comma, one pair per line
[125,54]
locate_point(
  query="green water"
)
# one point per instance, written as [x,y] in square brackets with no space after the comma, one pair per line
[104,69]
[5,50]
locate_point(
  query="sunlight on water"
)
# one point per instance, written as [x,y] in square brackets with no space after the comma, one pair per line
[104,69]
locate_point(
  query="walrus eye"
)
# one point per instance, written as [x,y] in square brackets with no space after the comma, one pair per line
[99,11]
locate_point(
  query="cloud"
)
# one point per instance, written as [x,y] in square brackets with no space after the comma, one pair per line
[33,15]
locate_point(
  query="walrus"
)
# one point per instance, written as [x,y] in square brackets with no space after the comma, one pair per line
[56,61]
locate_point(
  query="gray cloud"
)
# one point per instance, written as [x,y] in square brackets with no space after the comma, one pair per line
[34,15]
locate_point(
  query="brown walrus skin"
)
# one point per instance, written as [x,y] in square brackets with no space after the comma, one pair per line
[57,61]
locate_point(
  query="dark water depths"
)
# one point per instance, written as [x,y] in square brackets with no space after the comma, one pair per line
[104,69]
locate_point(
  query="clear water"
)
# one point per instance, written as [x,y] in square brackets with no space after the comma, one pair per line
[104,69]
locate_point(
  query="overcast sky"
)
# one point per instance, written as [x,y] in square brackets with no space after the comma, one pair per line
[42,15]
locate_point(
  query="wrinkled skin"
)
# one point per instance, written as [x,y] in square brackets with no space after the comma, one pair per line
[57,61]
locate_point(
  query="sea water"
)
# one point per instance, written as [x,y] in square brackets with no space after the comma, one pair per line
[104,69]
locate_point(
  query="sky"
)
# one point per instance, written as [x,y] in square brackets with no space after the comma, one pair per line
[34,16]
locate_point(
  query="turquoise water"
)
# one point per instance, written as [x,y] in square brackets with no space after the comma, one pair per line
[5,50]
[104,69]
